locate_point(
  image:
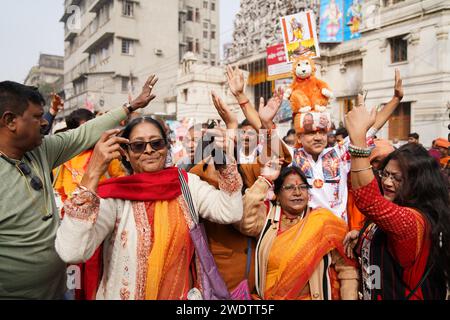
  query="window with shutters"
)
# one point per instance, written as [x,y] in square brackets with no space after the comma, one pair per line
[399,49]
[197,46]
[190,44]
[127,47]
[197,15]
[400,122]
[128,8]
[190,14]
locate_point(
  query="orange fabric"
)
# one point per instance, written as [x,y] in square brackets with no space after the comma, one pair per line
[168,275]
[68,176]
[296,253]
[441,142]
[355,218]
[444,161]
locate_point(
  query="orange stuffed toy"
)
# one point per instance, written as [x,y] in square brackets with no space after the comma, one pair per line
[307,92]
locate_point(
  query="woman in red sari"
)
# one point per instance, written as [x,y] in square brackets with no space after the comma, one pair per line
[404,247]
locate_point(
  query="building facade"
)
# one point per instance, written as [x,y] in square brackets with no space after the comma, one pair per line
[195,83]
[410,35]
[47,75]
[112,46]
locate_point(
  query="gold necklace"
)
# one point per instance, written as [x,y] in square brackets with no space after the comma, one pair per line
[289,222]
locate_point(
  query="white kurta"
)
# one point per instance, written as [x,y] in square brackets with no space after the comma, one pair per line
[124,229]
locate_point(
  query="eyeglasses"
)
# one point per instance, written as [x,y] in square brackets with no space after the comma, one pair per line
[140,146]
[386,174]
[292,187]
[35,182]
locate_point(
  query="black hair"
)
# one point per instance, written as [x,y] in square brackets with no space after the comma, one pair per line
[278,183]
[129,128]
[290,131]
[74,119]
[15,97]
[244,123]
[341,131]
[413,135]
[425,189]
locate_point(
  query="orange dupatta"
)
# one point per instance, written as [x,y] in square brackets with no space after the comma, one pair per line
[168,272]
[298,251]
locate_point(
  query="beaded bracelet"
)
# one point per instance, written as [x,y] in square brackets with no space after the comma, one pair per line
[359,152]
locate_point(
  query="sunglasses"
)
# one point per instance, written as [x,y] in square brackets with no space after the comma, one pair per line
[140,146]
[35,182]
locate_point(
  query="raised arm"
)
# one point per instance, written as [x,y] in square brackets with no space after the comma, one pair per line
[273,146]
[222,206]
[384,114]
[255,210]
[236,83]
[64,146]
[402,225]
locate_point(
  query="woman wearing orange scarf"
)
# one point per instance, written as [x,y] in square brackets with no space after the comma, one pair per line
[143,218]
[299,255]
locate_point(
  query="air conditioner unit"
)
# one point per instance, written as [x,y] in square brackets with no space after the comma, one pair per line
[158,52]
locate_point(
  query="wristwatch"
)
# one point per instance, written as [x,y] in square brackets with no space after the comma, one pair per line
[129,107]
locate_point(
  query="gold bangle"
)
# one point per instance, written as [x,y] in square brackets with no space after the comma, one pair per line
[360,170]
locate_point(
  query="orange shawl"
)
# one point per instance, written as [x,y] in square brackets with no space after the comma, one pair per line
[297,252]
[168,272]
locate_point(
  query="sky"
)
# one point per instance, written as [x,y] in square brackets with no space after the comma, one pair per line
[31,27]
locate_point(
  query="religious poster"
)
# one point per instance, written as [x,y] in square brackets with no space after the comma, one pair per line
[353,19]
[331,21]
[299,35]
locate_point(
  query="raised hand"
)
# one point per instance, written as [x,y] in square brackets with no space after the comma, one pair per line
[268,112]
[272,169]
[224,111]
[236,81]
[398,85]
[223,140]
[146,95]
[106,150]
[57,104]
[359,120]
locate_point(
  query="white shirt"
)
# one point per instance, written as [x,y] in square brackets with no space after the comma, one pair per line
[330,172]
[327,177]
[244,159]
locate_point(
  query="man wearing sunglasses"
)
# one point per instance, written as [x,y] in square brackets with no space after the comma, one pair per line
[29,265]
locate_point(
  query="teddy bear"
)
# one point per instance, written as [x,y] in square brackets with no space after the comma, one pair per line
[307,93]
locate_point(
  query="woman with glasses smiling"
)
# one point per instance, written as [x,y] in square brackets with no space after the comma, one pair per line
[143,218]
[404,246]
[299,255]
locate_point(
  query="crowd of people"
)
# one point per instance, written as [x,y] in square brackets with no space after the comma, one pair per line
[323,213]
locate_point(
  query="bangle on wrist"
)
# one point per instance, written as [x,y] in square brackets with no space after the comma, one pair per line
[242,104]
[267,181]
[83,188]
[363,169]
[358,152]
